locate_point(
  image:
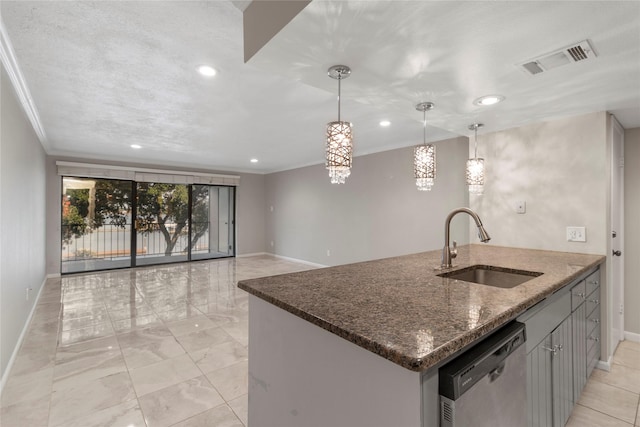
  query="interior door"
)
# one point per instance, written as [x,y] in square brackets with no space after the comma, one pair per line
[617,232]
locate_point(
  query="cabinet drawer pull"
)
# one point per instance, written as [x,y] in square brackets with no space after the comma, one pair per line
[596,339]
[553,350]
[593,282]
[595,320]
[580,295]
[595,301]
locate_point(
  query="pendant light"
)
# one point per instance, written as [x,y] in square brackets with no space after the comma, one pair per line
[424,156]
[339,136]
[475,166]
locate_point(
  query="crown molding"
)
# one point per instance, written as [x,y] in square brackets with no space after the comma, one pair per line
[10,64]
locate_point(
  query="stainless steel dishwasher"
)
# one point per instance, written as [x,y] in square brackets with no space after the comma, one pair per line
[487,385]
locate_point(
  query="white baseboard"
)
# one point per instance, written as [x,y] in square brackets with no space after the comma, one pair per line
[53,276]
[605,366]
[253,254]
[286,258]
[300,261]
[631,336]
[16,349]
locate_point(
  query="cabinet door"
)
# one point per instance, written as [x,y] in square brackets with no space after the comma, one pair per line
[579,324]
[562,369]
[539,390]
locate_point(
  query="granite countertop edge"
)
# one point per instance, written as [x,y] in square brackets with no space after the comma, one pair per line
[438,354]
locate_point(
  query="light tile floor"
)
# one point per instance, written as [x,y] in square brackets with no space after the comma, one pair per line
[612,398]
[152,346]
[167,346]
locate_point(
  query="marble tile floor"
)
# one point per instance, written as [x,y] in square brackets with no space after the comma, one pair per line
[151,346]
[167,346]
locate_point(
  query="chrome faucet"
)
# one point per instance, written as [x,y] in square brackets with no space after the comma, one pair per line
[449,253]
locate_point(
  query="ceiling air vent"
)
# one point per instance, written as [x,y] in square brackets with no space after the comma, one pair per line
[575,53]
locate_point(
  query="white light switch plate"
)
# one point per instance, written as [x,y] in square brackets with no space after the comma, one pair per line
[576,234]
[521,207]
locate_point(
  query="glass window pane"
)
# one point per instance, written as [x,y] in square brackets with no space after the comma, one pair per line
[96,224]
[162,223]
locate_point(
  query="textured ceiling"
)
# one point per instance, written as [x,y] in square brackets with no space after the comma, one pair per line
[105,75]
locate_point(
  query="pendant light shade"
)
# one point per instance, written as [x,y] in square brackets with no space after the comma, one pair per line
[475,166]
[424,156]
[339,136]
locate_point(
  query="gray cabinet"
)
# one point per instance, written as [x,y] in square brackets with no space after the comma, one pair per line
[586,330]
[593,323]
[579,321]
[562,373]
[563,334]
[549,360]
[549,378]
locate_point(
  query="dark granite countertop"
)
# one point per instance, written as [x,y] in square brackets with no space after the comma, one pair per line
[401,310]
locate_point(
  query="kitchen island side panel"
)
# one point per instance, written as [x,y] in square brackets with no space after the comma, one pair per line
[301,375]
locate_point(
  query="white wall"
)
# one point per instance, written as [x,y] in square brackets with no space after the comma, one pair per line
[632,230]
[560,169]
[249,208]
[378,212]
[22,220]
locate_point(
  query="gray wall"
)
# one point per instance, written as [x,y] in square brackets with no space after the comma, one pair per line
[632,230]
[378,212]
[560,169]
[249,208]
[22,219]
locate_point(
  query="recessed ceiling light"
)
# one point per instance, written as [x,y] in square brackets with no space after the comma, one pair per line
[488,100]
[207,71]
[136,146]
[254,160]
[385,123]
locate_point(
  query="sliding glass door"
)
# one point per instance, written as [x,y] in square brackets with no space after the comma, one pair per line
[172,223]
[212,229]
[162,223]
[96,224]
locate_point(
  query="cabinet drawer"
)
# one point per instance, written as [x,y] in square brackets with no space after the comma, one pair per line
[593,322]
[544,318]
[592,358]
[593,340]
[578,294]
[593,281]
[593,302]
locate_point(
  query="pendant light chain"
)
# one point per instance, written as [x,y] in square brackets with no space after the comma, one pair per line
[339,90]
[424,127]
[475,152]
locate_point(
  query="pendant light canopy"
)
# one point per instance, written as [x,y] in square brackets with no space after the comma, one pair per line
[424,156]
[475,166]
[339,136]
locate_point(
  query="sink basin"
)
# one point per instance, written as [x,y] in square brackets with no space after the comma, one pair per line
[492,276]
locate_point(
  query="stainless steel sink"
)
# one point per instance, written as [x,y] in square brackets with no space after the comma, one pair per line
[492,276]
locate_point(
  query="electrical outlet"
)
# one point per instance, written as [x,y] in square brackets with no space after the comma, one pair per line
[29,293]
[521,207]
[576,234]
[328,252]
[271,243]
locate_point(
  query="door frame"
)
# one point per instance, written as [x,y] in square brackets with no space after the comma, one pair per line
[616,210]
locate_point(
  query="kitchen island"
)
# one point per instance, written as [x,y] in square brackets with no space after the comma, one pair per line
[360,344]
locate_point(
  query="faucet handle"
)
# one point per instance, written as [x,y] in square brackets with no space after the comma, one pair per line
[454,250]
